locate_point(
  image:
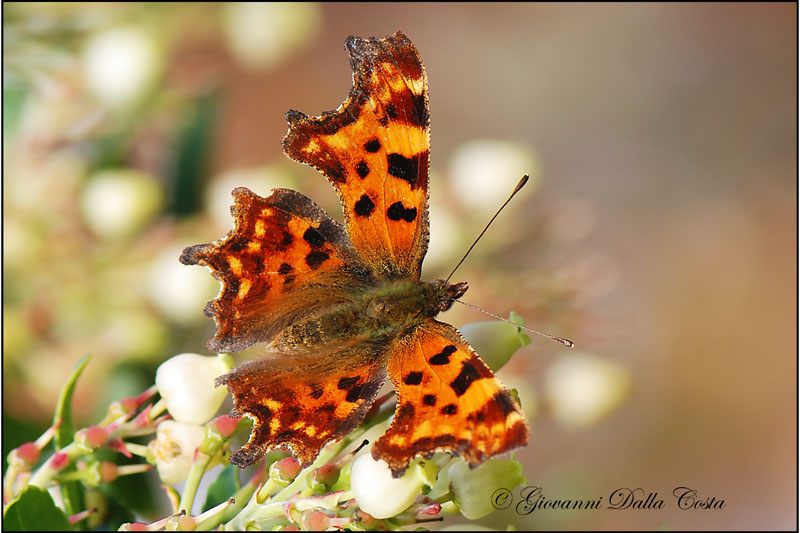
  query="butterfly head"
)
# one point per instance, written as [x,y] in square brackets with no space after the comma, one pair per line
[447,293]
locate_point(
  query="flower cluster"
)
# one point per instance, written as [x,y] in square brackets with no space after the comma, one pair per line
[344,488]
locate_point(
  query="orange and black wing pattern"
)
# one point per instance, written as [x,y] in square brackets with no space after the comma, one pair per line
[301,404]
[284,257]
[374,149]
[447,400]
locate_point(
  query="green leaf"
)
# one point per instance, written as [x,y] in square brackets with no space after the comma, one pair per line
[71,491]
[66,432]
[226,484]
[34,510]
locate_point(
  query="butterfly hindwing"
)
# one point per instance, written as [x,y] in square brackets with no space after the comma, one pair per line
[302,403]
[447,400]
[374,149]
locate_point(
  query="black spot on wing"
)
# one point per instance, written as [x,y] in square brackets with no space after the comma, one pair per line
[362,169]
[354,394]
[443,357]
[404,168]
[450,409]
[313,237]
[465,378]
[364,206]
[372,146]
[315,259]
[429,399]
[398,212]
[346,383]
[413,378]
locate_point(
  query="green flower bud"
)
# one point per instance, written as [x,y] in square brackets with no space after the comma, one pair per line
[473,488]
[496,341]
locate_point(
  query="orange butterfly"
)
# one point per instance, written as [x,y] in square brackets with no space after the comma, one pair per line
[342,307]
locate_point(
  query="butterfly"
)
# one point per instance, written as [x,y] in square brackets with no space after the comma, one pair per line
[340,308]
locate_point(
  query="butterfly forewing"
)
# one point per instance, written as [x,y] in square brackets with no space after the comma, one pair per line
[278,247]
[374,149]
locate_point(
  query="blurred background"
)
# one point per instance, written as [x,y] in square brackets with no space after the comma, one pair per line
[659,232]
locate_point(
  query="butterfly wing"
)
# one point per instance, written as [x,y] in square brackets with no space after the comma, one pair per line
[302,403]
[284,259]
[447,400]
[374,149]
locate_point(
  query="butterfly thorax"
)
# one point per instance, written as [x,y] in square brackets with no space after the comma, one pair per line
[378,312]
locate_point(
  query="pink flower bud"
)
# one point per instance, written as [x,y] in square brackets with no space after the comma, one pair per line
[432,508]
[367,520]
[96,436]
[128,405]
[135,526]
[226,424]
[59,461]
[118,445]
[108,471]
[285,470]
[143,419]
[320,521]
[327,474]
[28,452]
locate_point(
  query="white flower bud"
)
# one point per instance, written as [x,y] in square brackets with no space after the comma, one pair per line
[177,291]
[261,34]
[383,496]
[581,389]
[119,202]
[120,64]
[186,384]
[174,448]
[486,171]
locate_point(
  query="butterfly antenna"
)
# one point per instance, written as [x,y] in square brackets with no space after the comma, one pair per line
[561,340]
[519,186]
